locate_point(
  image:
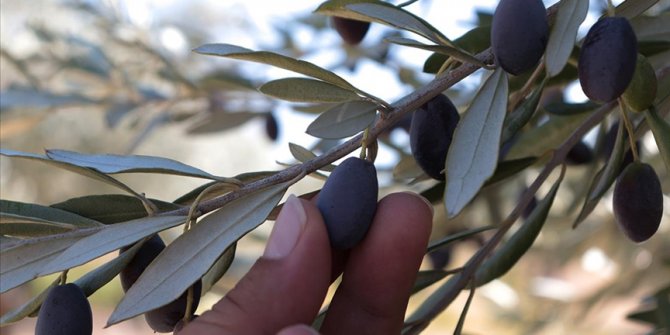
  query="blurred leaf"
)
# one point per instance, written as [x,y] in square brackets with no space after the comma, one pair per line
[661,130]
[566,108]
[108,239]
[633,8]
[456,237]
[270,58]
[22,97]
[226,80]
[538,140]
[110,208]
[314,108]
[24,261]
[220,267]
[504,258]
[189,257]
[307,90]
[571,13]
[407,168]
[343,120]
[109,163]
[28,308]
[70,167]
[428,277]
[508,168]
[652,28]
[454,52]
[473,154]
[385,13]
[522,114]
[117,111]
[220,121]
[474,41]
[603,179]
[18,125]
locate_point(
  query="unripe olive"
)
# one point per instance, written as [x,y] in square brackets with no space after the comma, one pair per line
[65,311]
[348,202]
[164,318]
[351,31]
[607,59]
[641,91]
[430,134]
[638,201]
[519,34]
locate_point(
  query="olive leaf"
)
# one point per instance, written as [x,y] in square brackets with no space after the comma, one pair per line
[522,114]
[451,51]
[661,130]
[111,164]
[343,120]
[473,153]
[274,59]
[547,136]
[23,261]
[384,13]
[110,208]
[566,108]
[219,268]
[108,239]
[571,13]
[504,258]
[307,90]
[192,254]
[457,236]
[24,219]
[29,307]
[220,121]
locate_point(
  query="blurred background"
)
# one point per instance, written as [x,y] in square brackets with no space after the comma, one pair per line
[119,77]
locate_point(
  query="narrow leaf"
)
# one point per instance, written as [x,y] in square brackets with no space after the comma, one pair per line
[457,236]
[108,239]
[300,153]
[45,213]
[633,8]
[14,225]
[25,260]
[604,178]
[245,178]
[307,90]
[270,58]
[509,254]
[571,13]
[520,116]
[566,108]
[384,13]
[538,140]
[220,121]
[111,164]
[454,52]
[219,268]
[508,168]
[189,257]
[473,154]
[661,130]
[94,174]
[94,280]
[110,208]
[28,308]
[343,120]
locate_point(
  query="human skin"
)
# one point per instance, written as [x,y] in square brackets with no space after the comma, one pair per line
[284,289]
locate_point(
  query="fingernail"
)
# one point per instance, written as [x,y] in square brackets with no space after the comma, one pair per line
[425,201]
[287,230]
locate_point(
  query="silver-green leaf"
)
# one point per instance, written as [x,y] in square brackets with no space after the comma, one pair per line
[473,153]
[571,13]
[110,238]
[343,120]
[189,257]
[274,59]
[307,90]
[661,130]
[108,163]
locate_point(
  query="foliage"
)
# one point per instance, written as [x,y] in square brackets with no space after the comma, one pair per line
[507,132]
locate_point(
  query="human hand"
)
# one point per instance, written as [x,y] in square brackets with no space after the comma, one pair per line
[283,291]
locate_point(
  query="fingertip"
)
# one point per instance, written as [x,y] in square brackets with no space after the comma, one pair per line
[298,330]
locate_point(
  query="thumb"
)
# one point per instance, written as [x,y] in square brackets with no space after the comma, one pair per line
[286,286]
